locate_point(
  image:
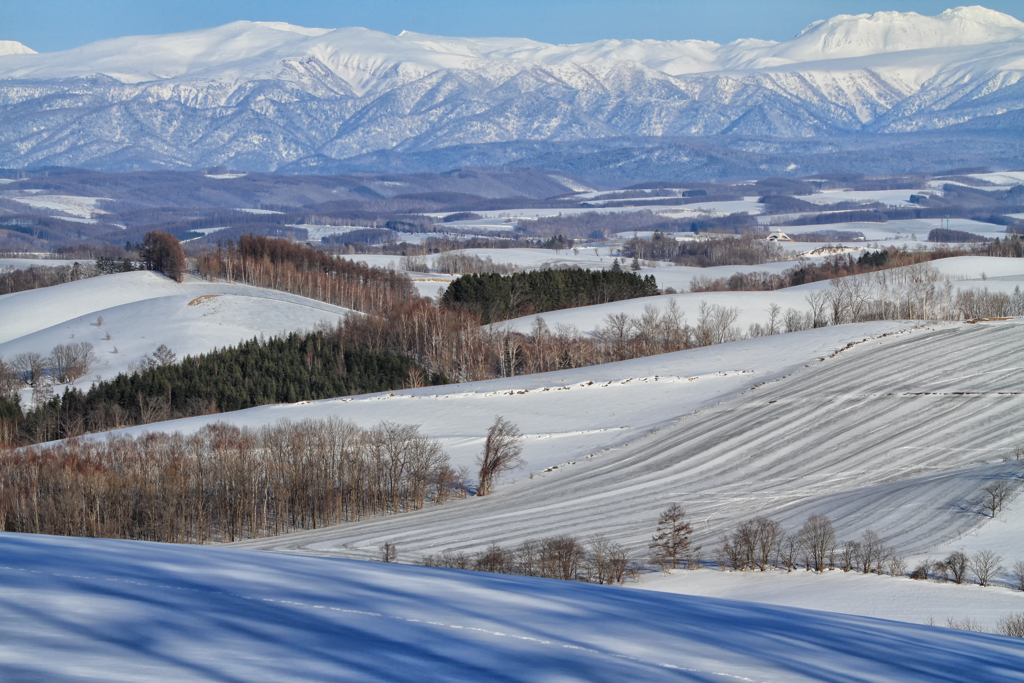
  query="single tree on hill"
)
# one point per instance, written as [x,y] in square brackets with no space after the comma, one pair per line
[672,539]
[502,452]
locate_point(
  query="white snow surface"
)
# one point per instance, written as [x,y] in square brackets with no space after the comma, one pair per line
[867,595]
[91,609]
[142,310]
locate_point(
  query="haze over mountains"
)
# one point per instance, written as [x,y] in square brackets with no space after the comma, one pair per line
[271,96]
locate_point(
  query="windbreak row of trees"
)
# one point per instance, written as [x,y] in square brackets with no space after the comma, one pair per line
[749,249]
[297,269]
[279,370]
[223,483]
[493,297]
[34,277]
[564,557]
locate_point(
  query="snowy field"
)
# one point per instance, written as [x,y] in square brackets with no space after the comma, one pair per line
[89,609]
[79,207]
[142,310]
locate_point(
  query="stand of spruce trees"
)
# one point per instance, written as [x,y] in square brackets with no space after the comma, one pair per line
[495,297]
[298,367]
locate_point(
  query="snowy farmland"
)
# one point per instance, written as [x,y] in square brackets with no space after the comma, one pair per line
[964,272]
[77,609]
[897,433]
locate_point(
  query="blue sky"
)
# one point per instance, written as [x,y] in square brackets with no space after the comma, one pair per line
[49,25]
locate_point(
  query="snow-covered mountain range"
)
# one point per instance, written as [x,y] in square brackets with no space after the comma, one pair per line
[270,95]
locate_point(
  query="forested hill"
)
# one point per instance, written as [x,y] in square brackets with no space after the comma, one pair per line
[495,297]
[296,368]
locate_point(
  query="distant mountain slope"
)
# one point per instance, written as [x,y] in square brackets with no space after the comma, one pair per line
[264,96]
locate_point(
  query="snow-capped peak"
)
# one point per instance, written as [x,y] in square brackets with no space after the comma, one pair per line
[883,32]
[245,49]
[13,47]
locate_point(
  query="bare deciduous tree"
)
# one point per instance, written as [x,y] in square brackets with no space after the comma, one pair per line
[30,368]
[672,538]
[897,566]
[873,552]
[164,356]
[1011,625]
[818,538]
[984,565]
[1017,574]
[9,382]
[502,452]
[606,561]
[562,558]
[69,362]
[996,495]
[964,624]
[388,552]
[956,565]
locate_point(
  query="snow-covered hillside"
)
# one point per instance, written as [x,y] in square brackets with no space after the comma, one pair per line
[882,73]
[898,434]
[89,609]
[142,310]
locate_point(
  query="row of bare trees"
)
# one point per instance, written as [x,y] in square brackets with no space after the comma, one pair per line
[565,557]
[983,567]
[222,483]
[34,277]
[761,543]
[297,269]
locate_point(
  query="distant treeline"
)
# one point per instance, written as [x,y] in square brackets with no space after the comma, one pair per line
[222,483]
[281,370]
[844,265]
[953,236]
[493,297]
[34,277]
[714,251]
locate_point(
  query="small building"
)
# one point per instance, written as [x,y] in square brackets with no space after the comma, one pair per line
[777,235]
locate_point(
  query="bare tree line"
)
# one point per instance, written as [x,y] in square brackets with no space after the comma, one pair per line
[35,277]
[455,263]
[564,557]
[223,483]
[276,264]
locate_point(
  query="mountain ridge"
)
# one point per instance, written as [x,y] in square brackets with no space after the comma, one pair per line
[264,96]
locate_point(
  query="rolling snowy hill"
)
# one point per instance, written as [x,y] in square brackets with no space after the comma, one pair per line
[90,609]
[142,310]
[270,95]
